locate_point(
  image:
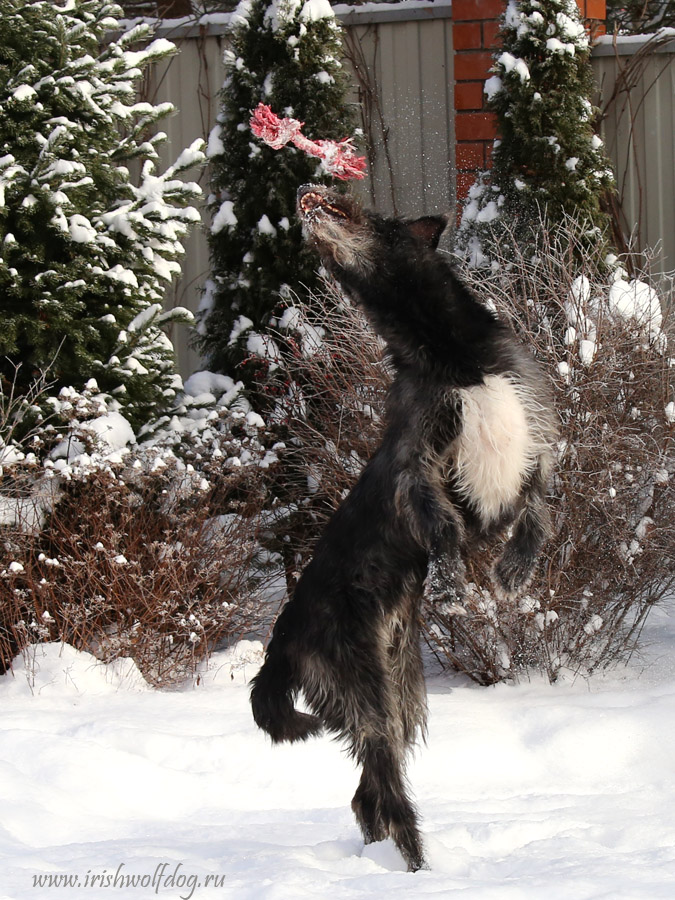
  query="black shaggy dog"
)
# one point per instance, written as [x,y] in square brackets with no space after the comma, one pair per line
[467,451]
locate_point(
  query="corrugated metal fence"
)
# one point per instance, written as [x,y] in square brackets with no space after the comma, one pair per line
[636,82]
[403,77]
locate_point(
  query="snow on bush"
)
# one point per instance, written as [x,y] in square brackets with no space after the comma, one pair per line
[605,342]
[146,546]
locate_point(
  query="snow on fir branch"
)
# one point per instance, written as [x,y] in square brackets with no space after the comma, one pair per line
[286,56]
[547,156]
[85,247]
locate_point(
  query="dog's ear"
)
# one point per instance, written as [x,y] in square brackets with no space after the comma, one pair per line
[428,229]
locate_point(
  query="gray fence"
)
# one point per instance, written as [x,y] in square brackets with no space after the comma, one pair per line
[636,90]
[403,82]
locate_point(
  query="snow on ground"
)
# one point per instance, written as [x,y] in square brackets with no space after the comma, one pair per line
[533,791]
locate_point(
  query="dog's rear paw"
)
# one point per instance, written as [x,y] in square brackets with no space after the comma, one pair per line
[389,855]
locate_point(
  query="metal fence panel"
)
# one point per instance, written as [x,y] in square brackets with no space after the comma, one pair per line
[408,113]
[190,80]
[639,133]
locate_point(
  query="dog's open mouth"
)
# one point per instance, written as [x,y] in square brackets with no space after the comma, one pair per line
[313,202]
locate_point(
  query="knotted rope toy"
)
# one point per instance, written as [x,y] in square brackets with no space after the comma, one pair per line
[339,157]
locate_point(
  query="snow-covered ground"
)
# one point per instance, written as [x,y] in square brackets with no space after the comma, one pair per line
[533,791]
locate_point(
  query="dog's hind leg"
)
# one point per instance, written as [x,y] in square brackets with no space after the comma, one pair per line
[366,806]
[274,688]
[383,737]
[381,803]
[406,670]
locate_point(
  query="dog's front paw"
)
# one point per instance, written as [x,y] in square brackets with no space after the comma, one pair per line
[513,572]
[445,581]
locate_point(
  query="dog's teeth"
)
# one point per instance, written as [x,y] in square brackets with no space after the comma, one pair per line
[335,211]
[310,201]
[313,203]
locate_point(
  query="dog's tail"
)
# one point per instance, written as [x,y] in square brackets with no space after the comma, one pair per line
[273,692]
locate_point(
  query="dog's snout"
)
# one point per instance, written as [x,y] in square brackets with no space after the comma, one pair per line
[317,198]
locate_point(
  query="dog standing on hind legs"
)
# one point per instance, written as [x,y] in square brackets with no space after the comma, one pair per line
[466,452]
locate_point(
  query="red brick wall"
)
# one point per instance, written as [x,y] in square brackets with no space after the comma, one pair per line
[475,27]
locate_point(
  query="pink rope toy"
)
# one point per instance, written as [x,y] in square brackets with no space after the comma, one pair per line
[339,157]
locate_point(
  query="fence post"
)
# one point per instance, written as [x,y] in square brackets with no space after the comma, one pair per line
[475,38]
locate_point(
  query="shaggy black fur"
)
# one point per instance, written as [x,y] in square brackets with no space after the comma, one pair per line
[349,636]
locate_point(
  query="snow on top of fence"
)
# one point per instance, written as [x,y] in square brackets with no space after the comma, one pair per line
[221,22]
[662,41]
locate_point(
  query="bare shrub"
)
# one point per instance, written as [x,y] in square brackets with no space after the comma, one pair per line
[149,551]
[329,391]
[118,571]
[603,341]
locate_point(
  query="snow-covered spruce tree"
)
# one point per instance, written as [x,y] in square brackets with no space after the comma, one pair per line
[85,253]
[547,158]
[285,53]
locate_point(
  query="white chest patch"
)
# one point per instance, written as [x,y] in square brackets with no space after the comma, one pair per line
[496,450]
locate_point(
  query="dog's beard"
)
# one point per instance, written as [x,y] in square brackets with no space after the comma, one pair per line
[348,246]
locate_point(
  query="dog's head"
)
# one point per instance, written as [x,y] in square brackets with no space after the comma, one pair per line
[353,239]
[337,226]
